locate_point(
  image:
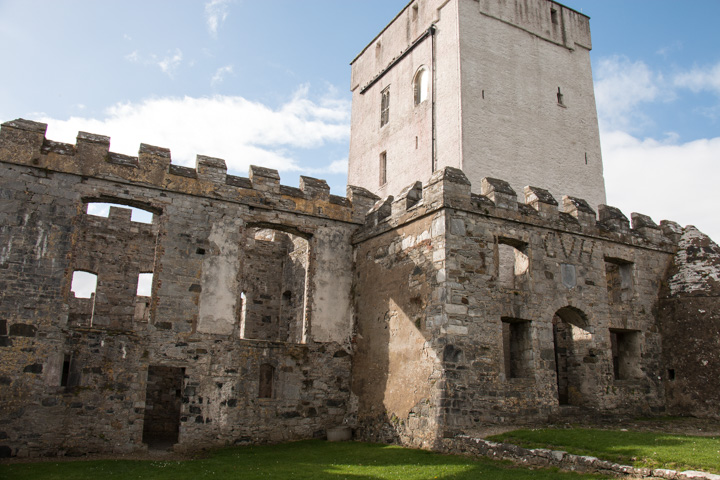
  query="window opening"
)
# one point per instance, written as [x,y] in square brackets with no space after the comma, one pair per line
[415,12]
[554,16]
[421,85]
[560,98]
[84,284]
[517,347]
[618,274]
[267,373]
[383,168]
[384,107]
[572,341]
[513,263]
[101,209]
[144,286]
[625,347]
[272,287]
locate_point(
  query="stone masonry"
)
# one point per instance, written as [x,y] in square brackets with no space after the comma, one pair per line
[276,313]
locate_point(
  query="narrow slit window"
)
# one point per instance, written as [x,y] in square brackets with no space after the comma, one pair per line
[267,373]
[383,168]
[384,106]
[554,16]
[560,98]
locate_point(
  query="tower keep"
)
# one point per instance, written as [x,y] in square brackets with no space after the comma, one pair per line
[496,88]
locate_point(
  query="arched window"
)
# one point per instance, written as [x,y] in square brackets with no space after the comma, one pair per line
[421,85]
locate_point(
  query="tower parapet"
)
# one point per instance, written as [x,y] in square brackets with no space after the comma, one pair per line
[450,188]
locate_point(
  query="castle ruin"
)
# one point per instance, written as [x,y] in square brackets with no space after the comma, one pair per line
[410,311]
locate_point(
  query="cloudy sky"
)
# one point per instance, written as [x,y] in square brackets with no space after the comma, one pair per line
[267,83]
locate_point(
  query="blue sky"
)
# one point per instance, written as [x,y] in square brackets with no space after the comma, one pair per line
[267,83]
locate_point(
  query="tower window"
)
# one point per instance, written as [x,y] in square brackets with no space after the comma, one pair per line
[420,85]
[554,16]
[383,168]
[385,107]
[560,98]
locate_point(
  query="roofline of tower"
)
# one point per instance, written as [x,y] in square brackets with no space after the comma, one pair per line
[411,2]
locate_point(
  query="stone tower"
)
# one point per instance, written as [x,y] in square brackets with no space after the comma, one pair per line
[496,88]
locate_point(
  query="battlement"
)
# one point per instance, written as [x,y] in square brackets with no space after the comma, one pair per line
[23,142]
[450,188]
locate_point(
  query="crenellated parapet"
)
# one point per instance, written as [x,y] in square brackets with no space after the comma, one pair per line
[23,142]
[450,188]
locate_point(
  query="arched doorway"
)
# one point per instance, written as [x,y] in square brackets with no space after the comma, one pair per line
[571,337]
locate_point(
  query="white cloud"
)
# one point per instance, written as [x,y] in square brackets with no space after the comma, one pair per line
[664,179]
[134,56]
[216,12]
[667,178]
[621,87]
[220,74]
[171,63]
[700,79]
[233,128]
[339,166]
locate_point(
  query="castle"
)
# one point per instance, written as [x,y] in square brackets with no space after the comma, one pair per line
[426,303]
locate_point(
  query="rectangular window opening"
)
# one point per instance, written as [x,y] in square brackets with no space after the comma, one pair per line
[625,347]
[384,107]
[554,16]
[512,262]
[267,372]
[619,278]
[517,348]
[144,285]
[383,168]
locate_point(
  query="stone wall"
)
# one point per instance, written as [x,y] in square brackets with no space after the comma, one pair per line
[74,371]
[690,324]
[278,312]
[551,327]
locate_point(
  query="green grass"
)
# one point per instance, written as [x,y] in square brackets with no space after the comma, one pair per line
[642,449]
[301,460]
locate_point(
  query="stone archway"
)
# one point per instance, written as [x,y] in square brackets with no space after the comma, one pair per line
[571,337]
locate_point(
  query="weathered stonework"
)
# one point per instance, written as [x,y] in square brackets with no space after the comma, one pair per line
[74,371]
[278,313]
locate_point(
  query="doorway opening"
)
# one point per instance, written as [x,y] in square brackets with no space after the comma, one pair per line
[163,401]
[571,338]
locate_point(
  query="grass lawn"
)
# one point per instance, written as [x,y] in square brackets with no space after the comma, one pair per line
[302,460]
[642,449]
